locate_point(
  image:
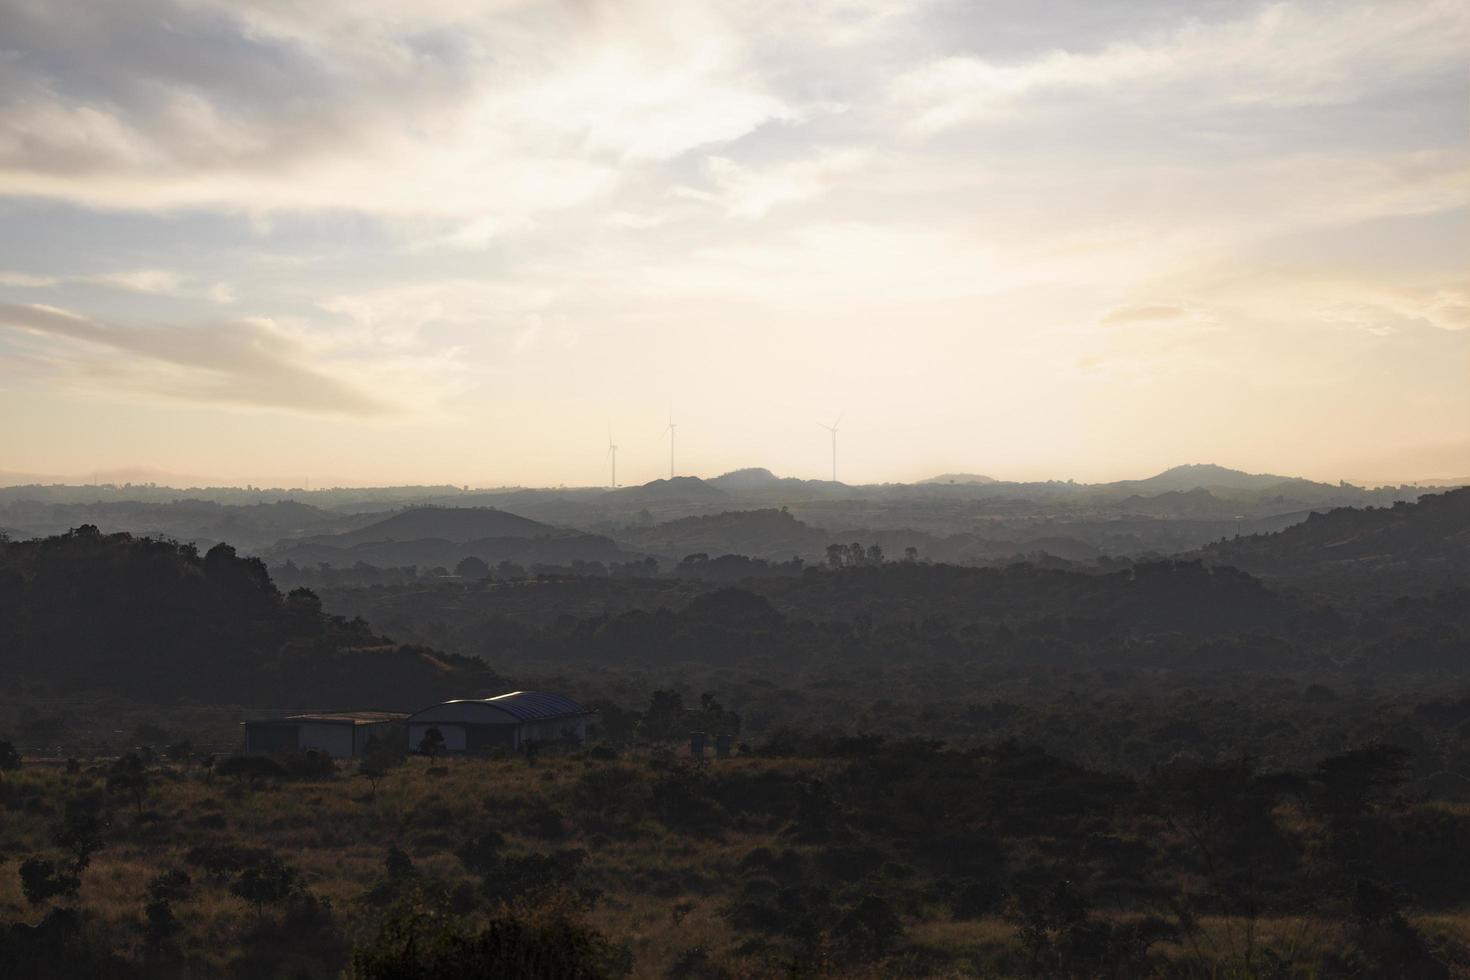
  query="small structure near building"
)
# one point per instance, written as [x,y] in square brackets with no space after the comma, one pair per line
[339,734]
[508,722]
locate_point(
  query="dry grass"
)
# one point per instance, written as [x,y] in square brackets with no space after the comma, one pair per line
[662,892]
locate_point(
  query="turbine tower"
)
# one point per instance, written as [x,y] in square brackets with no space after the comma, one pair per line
[670,431]
[612,455]
[833,429]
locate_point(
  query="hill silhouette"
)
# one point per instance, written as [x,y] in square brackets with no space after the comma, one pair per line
[156,621]
[1428,540]
[445,523]
[1192,476]
[965,479]
[767,533]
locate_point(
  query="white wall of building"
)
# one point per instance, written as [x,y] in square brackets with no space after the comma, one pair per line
[335,740]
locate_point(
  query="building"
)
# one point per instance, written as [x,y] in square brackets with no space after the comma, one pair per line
[339,734]
[506,722]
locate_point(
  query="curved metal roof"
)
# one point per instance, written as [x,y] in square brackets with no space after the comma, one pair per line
[536,705]
[512,708]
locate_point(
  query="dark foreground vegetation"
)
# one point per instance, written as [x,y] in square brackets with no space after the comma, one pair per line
[1250,762]
[861,857]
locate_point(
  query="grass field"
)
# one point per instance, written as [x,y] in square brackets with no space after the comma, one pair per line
[685,891]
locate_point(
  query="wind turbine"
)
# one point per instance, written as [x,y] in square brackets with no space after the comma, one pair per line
[833,429]
[670,431]
[612,454]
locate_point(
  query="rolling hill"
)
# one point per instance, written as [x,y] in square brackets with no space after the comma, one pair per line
[1428,540]
[156,621]
[441,523]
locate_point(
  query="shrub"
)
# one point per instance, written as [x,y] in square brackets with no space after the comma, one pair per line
[58,949]
[481,853]
[249,768]
[868,930]
[268,881]
[82,829]
[549,941]
[532,873]
[42,880]
[310,764]
[222,860]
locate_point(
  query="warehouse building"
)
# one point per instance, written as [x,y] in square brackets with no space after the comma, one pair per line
[338,734]
[507,722]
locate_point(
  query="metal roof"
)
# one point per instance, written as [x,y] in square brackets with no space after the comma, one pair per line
[334,717]
[536,705]
[355,717]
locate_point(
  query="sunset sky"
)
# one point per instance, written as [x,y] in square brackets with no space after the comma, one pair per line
[369,241]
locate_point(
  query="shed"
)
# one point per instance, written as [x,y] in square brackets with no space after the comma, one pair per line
[339,734]
[507,721]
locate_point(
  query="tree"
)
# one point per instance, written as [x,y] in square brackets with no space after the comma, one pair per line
[82,830]
[249,768]
[304,609]
[472,568]
[666,716]
[377,760]
[129,775]
[1349,783]
[432,744]
[265,882]
[41,880]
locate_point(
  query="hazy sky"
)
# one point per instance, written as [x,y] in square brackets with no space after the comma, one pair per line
[455,240]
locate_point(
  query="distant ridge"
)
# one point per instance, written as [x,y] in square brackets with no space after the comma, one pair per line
[443,523]
[752,476]
[1193,476]
[1430,536]
[966,479]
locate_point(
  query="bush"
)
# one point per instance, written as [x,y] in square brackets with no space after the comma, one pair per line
[532,873]
[268,881]
[310,764]
[58,949]
[249,768]
[42,880]
[547,941]
[481,853]
[222,860]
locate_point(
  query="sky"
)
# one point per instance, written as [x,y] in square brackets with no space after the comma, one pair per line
[369,242]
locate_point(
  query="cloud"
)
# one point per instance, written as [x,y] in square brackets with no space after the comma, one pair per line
[1145,314]
[26,280]
[1283,55]
[161,281]
[248,362]
[155,282]
[452,110]
[750,192]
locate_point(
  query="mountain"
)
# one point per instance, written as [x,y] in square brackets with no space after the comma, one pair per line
[746,479]
[1195,476]
[156,621]
[960,479]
